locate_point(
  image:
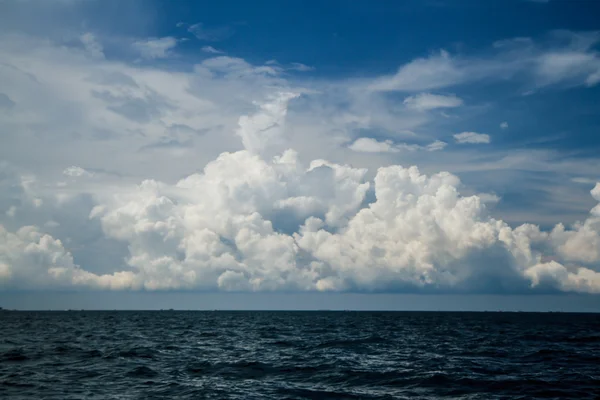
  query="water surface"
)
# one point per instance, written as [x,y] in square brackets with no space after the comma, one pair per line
[298,355]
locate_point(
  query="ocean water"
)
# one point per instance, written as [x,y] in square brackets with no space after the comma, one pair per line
[298,355]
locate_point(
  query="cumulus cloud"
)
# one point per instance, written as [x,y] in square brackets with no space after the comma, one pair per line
[504,125]
[251,222]
[370,145]
[472,137]
[429,101]
[258,216]
[265,129]
[155,48]
[30,259]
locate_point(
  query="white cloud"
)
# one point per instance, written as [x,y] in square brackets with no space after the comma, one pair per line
[504,125]
[222,229]
[265,129]
[436,145]
[76,172]
[370,145]
[569,59]
[488,198]
[301,67]
[429,101]
[100,113]
[247,222]
[437,71]
[211,50]
[573,65]
[155,47]
[30,259]
[583,180]
[261,218]
[472,137]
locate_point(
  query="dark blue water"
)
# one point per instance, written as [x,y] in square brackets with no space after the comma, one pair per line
[298,355]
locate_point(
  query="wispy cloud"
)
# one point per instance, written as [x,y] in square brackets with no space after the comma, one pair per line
[429,101]
[155,47]
[301,67]
[371,145]
[567,58]
[211,50]
[587,181]
[92,45]
[472,137]
[211,34]
[437,71]
[436,146]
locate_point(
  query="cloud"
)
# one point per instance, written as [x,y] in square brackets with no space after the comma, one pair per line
[436,145]
[264,129]
[504,125]
[555,67]
[211,50]
[76,172]
[472,137]
[301,67]
[30,259]
[566,58]
[428,101]
[211,34]
[254,223]
[250,214]
[155,48]
[584,180]
[92,46]
[112,109]
[437,71]
[234,66]
[370,145]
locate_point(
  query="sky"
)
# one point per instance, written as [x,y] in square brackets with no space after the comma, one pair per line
[408,154]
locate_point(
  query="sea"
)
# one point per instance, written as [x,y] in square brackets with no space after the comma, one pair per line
[298,355]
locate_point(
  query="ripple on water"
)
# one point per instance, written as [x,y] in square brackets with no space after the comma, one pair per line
[279,355]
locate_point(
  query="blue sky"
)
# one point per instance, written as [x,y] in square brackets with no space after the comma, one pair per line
[272,147]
